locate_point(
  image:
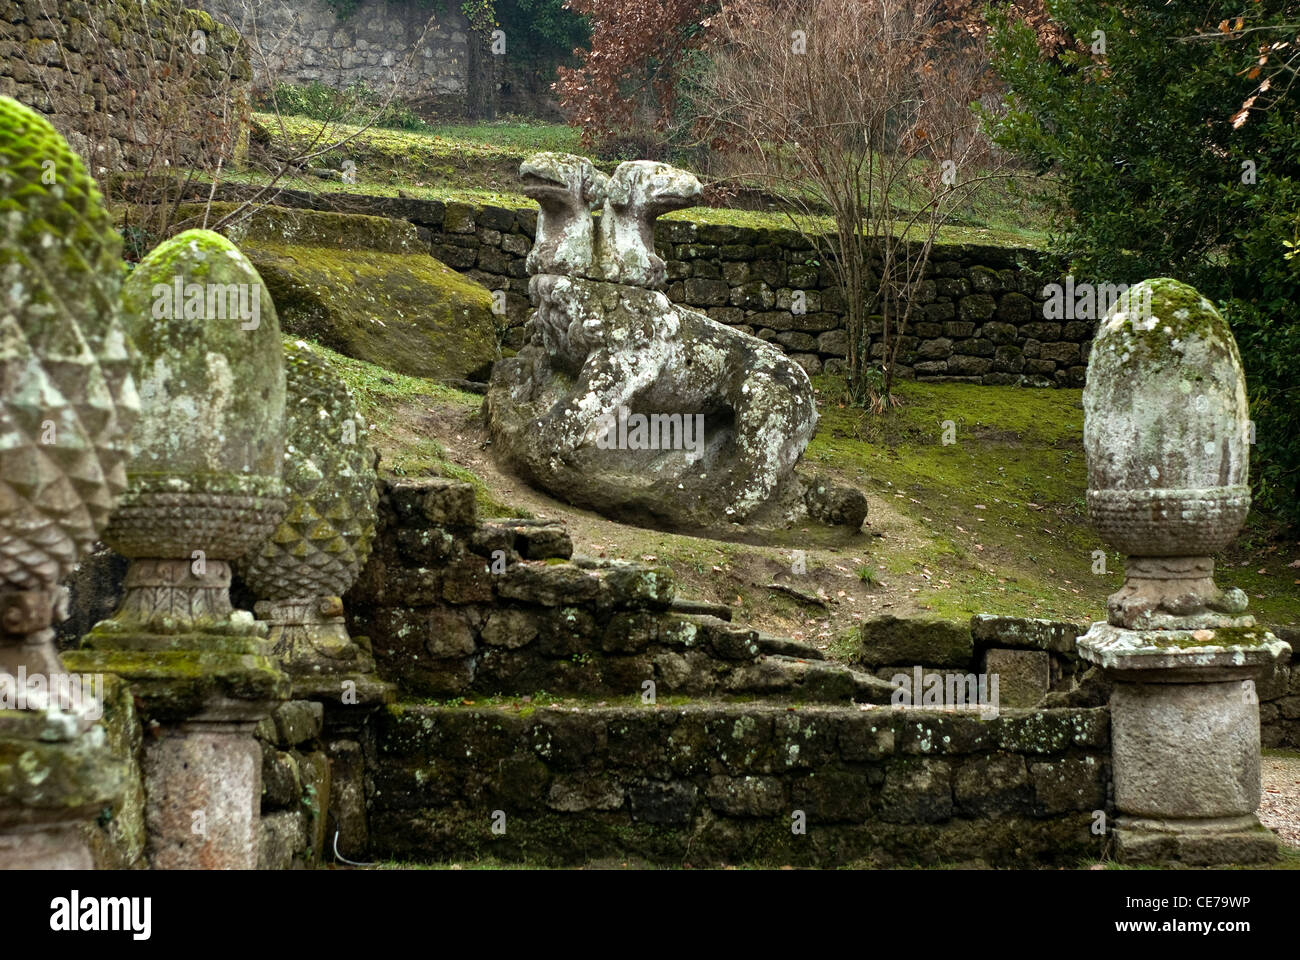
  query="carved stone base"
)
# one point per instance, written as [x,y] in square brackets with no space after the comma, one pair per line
[1184,716]
[202,764]
[1194,843]
[1175,593]
[49,791]
[310,636]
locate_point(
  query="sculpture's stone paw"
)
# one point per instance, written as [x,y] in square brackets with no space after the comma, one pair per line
[834,504]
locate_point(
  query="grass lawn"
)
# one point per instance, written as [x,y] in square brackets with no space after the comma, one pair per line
[994,522]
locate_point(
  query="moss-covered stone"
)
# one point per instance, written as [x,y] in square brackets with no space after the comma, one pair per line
[325,536]
[173,685]
[709,784]
[367,288]
[916,640]
[65,372]
[213,405]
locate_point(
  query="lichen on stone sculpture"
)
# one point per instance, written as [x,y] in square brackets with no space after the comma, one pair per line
[623,401]
[67,403]
[300,571]
[205,479]
[1166,432]
[67,398]
[1167,437]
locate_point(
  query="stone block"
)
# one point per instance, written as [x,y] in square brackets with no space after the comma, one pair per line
[1024,676]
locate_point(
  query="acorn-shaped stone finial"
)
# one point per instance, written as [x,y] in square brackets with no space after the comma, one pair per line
[67,399]
[1166,432]
[318,549]
[205,480]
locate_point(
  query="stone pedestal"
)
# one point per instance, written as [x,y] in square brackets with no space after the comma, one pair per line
[202,764]
[51,791]
[1185,741]
[204,783]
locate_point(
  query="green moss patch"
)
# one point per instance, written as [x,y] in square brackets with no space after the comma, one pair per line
[366,287]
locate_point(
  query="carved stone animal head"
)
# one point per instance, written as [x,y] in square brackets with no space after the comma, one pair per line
[638,193]
[651,189]
[566,187]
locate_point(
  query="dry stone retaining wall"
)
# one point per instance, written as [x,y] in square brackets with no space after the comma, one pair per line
[453,606]
[713,784]
[979,314]
[106,74]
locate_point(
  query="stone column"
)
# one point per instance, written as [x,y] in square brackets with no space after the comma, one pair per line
[1166,432]
[67,401]
[309,561]
[205,487]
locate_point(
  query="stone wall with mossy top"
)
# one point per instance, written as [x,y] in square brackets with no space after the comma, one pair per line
[713,784]
[978,316]
[119,77]
[454,606]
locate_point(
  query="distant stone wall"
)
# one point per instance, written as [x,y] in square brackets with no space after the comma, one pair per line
[112,74]
[979,316]
[714,783]
[380,42]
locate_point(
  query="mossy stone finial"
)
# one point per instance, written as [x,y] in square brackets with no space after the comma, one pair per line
[205,479]
[318,549]
[1166,432]
[67,398]
[65,365]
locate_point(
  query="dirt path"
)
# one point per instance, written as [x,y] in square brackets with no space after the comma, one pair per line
[715,570]
[1279,807]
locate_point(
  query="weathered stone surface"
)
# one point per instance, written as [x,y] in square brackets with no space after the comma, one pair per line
[297,721]
[647,359]
[368,288]
[435,500]
[835,504]
[992,786]
[1023,633]
[1185,750]
[510,629]
[282,834]
[1071,783]
[319,547]
[717,419]
[69,398]
[67,401]
[1024,676]
[917,791]
[637,194]
[217,775]
[566,187]
[324,539]
[916,640]
[206,474]
[1167,434]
